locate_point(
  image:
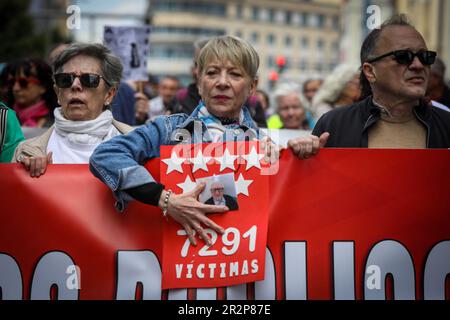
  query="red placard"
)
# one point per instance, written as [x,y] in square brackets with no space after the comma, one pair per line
[237,256]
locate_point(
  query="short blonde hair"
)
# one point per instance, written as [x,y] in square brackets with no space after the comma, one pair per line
[236,50]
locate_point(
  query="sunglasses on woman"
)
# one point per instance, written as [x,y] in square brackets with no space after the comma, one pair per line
[406,57]
[23,81]
[88,80]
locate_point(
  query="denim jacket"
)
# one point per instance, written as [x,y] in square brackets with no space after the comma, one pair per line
[119,161]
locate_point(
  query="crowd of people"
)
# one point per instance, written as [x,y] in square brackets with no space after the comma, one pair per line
[396,98]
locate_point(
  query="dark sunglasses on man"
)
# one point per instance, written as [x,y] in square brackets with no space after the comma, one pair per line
[88,80]
[23,81]
[406,57]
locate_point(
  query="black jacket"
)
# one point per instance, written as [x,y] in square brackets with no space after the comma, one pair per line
[348,126]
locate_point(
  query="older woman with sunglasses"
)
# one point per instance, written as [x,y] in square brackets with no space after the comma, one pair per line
[86,79]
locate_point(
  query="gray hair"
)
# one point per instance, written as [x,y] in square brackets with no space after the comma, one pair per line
[286,89]
[334,84]
[111,66]
[236,50]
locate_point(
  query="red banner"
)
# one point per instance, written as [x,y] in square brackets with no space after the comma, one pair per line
[347,224]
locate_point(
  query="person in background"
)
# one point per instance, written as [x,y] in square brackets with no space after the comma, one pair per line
[86,79]
[289,107]
[340,88]
[10,133]
[30,92]
[310,88]
[123,104]
[264,100]
[165,102]
[438,90]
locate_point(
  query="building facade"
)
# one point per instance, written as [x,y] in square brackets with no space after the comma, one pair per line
[306,33]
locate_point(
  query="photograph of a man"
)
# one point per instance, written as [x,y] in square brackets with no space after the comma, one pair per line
[219,198]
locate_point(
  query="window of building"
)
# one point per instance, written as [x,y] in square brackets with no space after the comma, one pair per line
[335,23]
[255,13]
[288,17]
[255,37]
[288,41]
[270,62]
[319,66]
[320,44]
[239,11]
[304,41]
[271,38]
[304,19]
[271,15]
[320,21]
[218,9]
[303,65]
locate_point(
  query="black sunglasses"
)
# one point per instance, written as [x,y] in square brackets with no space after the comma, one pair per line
[88,80]
[407,57]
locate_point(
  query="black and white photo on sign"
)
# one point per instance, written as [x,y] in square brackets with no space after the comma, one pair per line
[219,190]
[131,45]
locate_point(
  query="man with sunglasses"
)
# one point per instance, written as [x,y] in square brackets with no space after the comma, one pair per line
[395,68]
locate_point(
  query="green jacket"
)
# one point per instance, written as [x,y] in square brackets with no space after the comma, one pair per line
[10,133]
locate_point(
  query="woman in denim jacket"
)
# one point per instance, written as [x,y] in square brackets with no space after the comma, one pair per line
[227,68]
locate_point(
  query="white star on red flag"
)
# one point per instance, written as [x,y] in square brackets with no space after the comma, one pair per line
[226,160]
[242,185]
[200,162]
[187,185]
[253,159]
[174,163]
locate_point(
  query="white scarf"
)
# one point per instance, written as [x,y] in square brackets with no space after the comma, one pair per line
[86,132]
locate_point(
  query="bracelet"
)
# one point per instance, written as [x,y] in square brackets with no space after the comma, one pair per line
[166,202]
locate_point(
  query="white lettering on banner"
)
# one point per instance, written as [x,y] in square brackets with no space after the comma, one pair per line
[138,267]
[10,278]
[392,258]
[437,269]
[266,289]
[386,257]
[344,270]
[295,270]
[51,270]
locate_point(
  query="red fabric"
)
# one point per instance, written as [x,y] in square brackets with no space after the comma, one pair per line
[29,116]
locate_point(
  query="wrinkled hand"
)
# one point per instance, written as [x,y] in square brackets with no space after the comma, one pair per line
[271,150]
[141,106]
[191,214]
[305,147]
[37,165]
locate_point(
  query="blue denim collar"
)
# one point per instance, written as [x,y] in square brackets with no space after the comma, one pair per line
[247,123]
